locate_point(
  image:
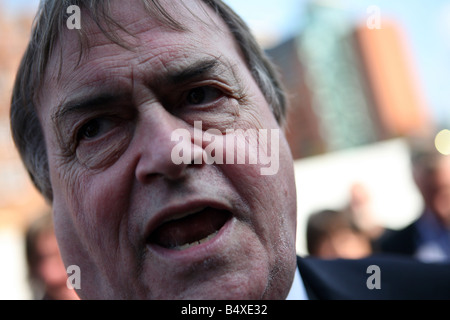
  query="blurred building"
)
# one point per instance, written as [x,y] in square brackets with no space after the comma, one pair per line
[389,72]
[19,201]
[348,85]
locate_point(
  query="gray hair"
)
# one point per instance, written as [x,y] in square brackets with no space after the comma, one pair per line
[46,34]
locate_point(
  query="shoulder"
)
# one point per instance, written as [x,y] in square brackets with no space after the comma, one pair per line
[398,278]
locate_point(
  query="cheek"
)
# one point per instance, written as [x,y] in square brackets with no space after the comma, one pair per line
[94,232]
[271,198]
[104,202]
[92,204]
[268,185]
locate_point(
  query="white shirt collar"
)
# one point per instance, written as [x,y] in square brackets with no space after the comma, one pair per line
[298,291]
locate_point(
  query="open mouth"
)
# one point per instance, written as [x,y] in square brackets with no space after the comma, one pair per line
[190,230]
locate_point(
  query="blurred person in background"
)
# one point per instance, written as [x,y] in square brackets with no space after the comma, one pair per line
[331,234]
[428,237]
[46,270]
[361,213]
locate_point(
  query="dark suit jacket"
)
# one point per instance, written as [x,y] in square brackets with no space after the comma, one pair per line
[400,278]
[403,241]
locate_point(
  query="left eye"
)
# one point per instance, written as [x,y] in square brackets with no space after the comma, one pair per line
[203,95]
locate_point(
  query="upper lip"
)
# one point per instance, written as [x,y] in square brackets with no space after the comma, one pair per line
[179,210]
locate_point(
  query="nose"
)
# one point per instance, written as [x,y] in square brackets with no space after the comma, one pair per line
[156,141]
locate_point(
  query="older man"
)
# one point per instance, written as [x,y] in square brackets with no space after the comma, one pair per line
[93,115]
[137,224]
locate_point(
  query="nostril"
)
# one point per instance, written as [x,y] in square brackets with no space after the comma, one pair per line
[175,171]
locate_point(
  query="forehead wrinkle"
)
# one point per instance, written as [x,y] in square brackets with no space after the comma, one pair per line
[129,22]
[149,34]
[101,83]
[140,29]
[130,25]
[91,77]
[137,22]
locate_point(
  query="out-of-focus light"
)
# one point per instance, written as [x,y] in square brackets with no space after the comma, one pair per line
[442,142]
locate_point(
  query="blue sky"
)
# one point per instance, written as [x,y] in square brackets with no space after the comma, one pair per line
[426,24]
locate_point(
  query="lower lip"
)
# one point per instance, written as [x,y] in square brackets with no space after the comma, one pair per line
[197,252]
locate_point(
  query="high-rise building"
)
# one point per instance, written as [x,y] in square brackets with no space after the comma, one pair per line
[303,132]
[388,70]
[348,85]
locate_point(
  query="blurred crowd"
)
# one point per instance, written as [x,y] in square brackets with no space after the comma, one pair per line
[352,232]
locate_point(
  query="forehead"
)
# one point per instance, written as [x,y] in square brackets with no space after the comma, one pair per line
[148,41]
[132,18]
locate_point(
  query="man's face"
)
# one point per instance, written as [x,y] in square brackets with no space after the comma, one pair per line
[138,225]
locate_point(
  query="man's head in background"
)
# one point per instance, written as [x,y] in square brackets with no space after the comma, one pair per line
[431,173]
[92,115]
[47,275]
[331,234]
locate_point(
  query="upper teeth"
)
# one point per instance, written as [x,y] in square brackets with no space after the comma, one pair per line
[195,243]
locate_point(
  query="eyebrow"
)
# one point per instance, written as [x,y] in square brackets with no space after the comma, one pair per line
[86,104]
[195,70]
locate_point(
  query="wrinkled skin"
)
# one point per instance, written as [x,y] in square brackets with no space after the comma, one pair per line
[113,179]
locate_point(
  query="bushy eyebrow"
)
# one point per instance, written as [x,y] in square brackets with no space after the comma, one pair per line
[197,69]
[85,104]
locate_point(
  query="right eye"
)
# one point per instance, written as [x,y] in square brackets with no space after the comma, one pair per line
[203,95]
[95,128]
